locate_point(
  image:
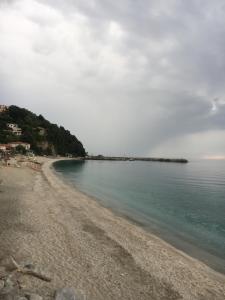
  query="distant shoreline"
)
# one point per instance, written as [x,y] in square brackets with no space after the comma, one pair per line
[130,158]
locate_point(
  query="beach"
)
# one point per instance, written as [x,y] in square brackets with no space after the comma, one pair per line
[86,246]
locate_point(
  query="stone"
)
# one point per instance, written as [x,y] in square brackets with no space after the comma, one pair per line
[10,282]
[6,290]
[67,294]
[10,286]
[2,284]
[3,272]
[28,265]
[7,297]
[11,296]
[33,297]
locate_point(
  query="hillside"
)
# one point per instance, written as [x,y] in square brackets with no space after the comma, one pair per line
[45,138]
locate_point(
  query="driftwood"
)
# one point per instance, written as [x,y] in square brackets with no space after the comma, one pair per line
[27,271]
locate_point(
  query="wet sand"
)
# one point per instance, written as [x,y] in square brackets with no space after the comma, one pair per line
[84,245]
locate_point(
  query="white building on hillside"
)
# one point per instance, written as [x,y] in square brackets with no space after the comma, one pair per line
[3,108]
[15,129]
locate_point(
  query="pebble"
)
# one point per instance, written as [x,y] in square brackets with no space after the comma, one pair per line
[12,296]
[10,281]
[10,287]
[29,266]
[3,272]
[66,294]
[33,297]
[2,284]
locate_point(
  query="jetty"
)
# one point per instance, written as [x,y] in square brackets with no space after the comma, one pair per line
[126,158]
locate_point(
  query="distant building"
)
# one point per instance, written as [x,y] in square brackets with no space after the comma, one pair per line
[3,108]
[12,125]
[16,144]
[15,129]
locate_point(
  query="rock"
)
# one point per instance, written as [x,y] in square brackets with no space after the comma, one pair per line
[10,286]
[3,272]
[2,284]
[11,296]
[7,297]
[6,290]
[10,282]
[67,294]
[33,297]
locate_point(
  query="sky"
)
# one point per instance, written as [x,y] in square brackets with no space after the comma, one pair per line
[129,77]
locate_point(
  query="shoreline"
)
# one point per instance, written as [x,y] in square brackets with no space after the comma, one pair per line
[176,239]
[86,245]
[132,222]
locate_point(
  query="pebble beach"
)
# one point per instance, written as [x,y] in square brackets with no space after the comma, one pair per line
[83,245]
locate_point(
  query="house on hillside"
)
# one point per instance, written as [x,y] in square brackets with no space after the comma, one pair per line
[13,145]
[3,108]
[15,129]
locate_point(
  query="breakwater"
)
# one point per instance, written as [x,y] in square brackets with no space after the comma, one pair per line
[125,158]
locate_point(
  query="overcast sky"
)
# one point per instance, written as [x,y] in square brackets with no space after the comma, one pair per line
[134,77]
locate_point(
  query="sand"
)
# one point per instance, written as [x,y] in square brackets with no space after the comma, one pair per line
[86,246]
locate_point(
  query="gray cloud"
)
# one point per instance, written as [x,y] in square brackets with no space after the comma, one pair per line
[128,77]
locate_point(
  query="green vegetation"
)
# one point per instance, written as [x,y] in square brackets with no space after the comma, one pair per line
[45,138]
[21,150]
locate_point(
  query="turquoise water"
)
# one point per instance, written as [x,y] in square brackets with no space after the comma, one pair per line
[183,203]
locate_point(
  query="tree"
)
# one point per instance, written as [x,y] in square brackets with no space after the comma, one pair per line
[20,149]
[58,139]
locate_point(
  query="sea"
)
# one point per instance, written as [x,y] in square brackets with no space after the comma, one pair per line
[184,204]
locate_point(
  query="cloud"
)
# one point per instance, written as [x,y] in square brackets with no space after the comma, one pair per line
[128,77]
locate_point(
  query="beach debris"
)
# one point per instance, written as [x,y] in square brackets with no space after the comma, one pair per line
[12,289]
[29,270]
[67,294]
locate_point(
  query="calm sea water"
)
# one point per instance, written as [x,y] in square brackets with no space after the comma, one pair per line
[183,203]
